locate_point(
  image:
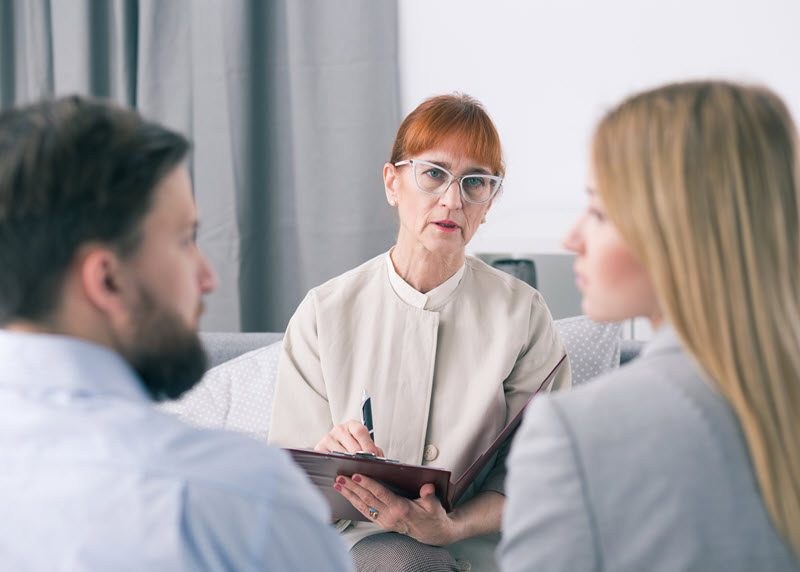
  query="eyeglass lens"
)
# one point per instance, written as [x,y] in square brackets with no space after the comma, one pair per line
[476,188]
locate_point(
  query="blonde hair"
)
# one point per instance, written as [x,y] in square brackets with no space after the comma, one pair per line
[702,180]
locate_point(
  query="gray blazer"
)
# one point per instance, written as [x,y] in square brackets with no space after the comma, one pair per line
[643,469]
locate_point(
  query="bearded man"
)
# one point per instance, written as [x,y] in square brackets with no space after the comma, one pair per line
[101,287]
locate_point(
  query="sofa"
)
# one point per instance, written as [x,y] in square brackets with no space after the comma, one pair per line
[237,390]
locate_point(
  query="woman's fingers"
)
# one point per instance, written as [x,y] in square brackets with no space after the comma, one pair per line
[427,498]
[374,501]
[349,437]
[363,501]
[369,509]
[360,434]
[336,441]
[423,519]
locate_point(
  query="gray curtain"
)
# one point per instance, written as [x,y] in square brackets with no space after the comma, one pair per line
[292,106]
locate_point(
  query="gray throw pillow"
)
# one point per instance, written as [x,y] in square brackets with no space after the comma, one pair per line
[593,348]
[235,395]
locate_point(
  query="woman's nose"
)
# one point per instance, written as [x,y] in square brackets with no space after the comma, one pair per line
[573,238]
[451,197]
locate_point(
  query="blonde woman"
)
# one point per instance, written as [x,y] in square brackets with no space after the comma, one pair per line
[688,459]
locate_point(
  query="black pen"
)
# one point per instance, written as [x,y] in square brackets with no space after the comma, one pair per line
[366,413]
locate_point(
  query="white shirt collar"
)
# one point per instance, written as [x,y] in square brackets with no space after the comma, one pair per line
[417,299]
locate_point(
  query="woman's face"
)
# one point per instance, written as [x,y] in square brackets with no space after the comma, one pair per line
[614,284]
[440,224]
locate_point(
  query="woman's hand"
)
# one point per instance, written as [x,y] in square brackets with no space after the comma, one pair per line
[349,437]
[423,519]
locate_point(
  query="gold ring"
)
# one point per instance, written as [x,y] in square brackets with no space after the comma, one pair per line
[373,513]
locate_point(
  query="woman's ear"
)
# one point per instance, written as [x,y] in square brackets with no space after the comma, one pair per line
[390,183]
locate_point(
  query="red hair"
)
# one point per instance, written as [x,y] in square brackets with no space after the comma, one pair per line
[456,121]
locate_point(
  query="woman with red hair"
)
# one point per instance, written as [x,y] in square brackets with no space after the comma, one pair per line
[448,348]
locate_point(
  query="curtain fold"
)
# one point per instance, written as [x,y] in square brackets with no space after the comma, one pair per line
[292,106]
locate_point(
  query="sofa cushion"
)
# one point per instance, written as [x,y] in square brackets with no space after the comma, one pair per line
[593,348]
[236,394]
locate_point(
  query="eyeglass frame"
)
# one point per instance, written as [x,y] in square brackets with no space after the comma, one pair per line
[450,182]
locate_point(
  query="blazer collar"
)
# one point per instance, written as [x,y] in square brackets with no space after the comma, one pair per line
[664,341]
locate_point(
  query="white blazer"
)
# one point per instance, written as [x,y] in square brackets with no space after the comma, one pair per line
[444,380]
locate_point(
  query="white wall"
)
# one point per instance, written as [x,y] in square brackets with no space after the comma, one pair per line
[546,71]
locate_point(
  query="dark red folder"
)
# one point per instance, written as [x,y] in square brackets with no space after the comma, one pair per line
[402,478]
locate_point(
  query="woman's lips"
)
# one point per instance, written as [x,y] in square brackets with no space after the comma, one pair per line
[580,280]
[446,225]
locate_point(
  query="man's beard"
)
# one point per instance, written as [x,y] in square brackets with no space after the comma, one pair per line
[167,354]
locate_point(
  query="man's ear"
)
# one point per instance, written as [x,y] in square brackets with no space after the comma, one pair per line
[103,280]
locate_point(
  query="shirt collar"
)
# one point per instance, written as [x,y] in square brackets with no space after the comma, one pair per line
[36,362]
[415,298]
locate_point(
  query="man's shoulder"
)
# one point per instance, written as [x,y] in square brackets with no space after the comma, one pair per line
[242,497]
[215,459]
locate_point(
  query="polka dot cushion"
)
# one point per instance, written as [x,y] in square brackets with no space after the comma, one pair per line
[593,348]
[235,395]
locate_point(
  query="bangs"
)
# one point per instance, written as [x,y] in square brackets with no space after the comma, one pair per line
[458,124]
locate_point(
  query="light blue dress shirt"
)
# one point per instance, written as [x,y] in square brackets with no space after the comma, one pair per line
[93,477]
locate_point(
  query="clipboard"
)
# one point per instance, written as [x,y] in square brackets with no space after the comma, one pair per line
[402,478]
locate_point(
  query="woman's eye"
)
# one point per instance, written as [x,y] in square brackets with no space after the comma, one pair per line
[596,214]
[475,182]
[434,173]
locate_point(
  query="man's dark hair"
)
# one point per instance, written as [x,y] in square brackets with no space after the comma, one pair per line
[72,170]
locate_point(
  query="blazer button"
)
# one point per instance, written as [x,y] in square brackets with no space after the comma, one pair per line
[431,452]
[464,565]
